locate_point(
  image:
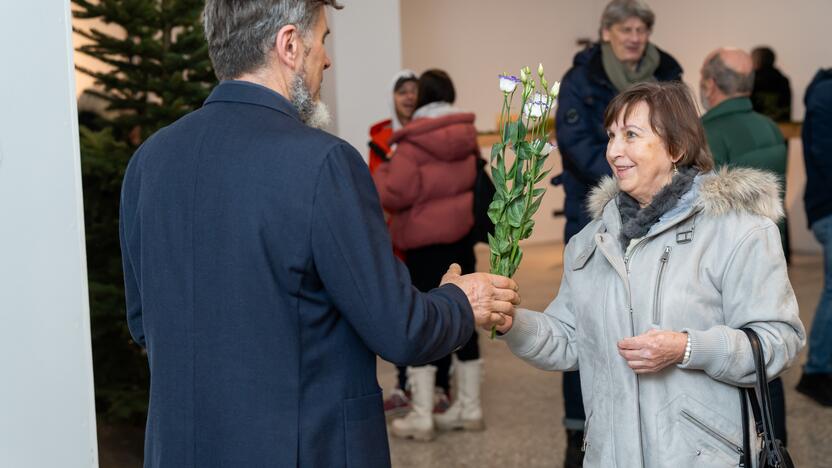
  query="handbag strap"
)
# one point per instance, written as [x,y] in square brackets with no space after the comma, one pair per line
[761,401]
[745,457]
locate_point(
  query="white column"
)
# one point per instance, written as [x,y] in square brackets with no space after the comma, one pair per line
[366,52]
[47,412]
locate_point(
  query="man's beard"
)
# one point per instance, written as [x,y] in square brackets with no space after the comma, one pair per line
[312,112]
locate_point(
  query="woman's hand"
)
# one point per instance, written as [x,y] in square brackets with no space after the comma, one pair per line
[654,350]
[506,326]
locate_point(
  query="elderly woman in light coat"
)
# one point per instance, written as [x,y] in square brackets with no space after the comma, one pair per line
[656,289]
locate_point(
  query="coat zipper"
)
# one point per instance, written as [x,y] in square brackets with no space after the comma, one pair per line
[586,433]
[627,260]
[716,435]
[657,294]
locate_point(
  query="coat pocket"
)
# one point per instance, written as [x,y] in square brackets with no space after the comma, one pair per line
[726,443]
[693,434]
[365,432]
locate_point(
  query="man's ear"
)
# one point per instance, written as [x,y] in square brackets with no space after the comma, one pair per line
[709,86]
[605,35]
[288,46]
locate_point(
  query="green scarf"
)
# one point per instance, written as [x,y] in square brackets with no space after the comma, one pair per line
[621,75]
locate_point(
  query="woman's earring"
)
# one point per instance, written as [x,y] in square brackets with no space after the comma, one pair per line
[675,170]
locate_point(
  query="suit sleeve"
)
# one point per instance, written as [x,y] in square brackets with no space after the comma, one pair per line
[756,293]
[354,258]
[131,288]
[582,145]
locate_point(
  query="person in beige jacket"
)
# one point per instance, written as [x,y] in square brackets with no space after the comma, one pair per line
[657,287]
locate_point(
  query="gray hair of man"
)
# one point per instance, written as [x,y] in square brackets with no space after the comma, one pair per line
[619,10]
[241,33]
[728,81]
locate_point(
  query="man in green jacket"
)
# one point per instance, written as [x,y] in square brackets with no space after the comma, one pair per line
[740,137]
[736,134]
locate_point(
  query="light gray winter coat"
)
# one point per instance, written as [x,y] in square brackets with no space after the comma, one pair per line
[709,266]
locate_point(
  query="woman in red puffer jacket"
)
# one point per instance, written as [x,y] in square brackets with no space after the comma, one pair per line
[428,187]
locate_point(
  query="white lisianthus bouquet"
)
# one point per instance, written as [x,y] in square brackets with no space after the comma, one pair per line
[516,198]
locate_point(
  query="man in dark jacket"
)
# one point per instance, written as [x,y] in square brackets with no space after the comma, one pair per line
[772,93]
[816,381]
[258,270]
[740,137]
[623,57]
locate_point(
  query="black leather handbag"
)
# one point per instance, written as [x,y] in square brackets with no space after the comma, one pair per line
[772,454]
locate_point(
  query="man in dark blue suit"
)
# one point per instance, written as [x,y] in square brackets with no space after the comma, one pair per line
[258,269]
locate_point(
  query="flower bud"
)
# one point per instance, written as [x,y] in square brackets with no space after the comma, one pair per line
[555,89]
[540,70]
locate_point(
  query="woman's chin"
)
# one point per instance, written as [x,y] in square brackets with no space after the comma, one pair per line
[625,184]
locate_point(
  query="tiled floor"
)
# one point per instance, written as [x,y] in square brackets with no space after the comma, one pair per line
[523,406]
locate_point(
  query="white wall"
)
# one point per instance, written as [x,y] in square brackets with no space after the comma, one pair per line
[474,40]
[47,414]
[797,31]
[366,53]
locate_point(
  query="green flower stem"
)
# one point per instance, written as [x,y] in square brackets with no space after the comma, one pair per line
[501,123]
[506,253]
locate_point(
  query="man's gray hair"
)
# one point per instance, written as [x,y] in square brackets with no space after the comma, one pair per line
[619,10]
[241,33]
[727,80]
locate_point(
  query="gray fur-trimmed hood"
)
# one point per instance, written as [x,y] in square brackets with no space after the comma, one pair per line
[729,189]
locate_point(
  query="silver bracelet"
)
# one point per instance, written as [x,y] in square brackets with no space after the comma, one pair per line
[687,351]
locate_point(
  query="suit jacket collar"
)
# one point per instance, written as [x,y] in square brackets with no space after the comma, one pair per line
[246,92]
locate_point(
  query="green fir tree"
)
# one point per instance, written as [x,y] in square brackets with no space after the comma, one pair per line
[159,70]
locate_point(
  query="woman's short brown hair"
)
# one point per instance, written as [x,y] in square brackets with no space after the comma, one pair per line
[673,118]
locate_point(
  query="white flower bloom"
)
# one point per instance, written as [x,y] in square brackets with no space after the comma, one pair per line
[547,148]
[555,89]
[536,107]
[508,83]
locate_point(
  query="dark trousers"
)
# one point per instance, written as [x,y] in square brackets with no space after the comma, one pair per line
[427,265]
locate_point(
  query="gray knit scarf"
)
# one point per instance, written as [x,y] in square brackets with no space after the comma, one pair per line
[637,221]
[621,76]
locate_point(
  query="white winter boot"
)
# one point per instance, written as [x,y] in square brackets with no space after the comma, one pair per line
[418,424]
[465,412]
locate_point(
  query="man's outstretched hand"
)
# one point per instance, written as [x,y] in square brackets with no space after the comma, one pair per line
[492,297]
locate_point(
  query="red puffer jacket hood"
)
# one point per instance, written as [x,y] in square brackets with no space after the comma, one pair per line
[428,183]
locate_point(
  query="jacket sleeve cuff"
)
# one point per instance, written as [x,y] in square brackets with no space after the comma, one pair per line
[709,351]
[457,296]
[523,332]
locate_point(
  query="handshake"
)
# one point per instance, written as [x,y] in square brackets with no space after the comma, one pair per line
[492,297]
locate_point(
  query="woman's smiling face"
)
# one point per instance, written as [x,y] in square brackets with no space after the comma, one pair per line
[638,156]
